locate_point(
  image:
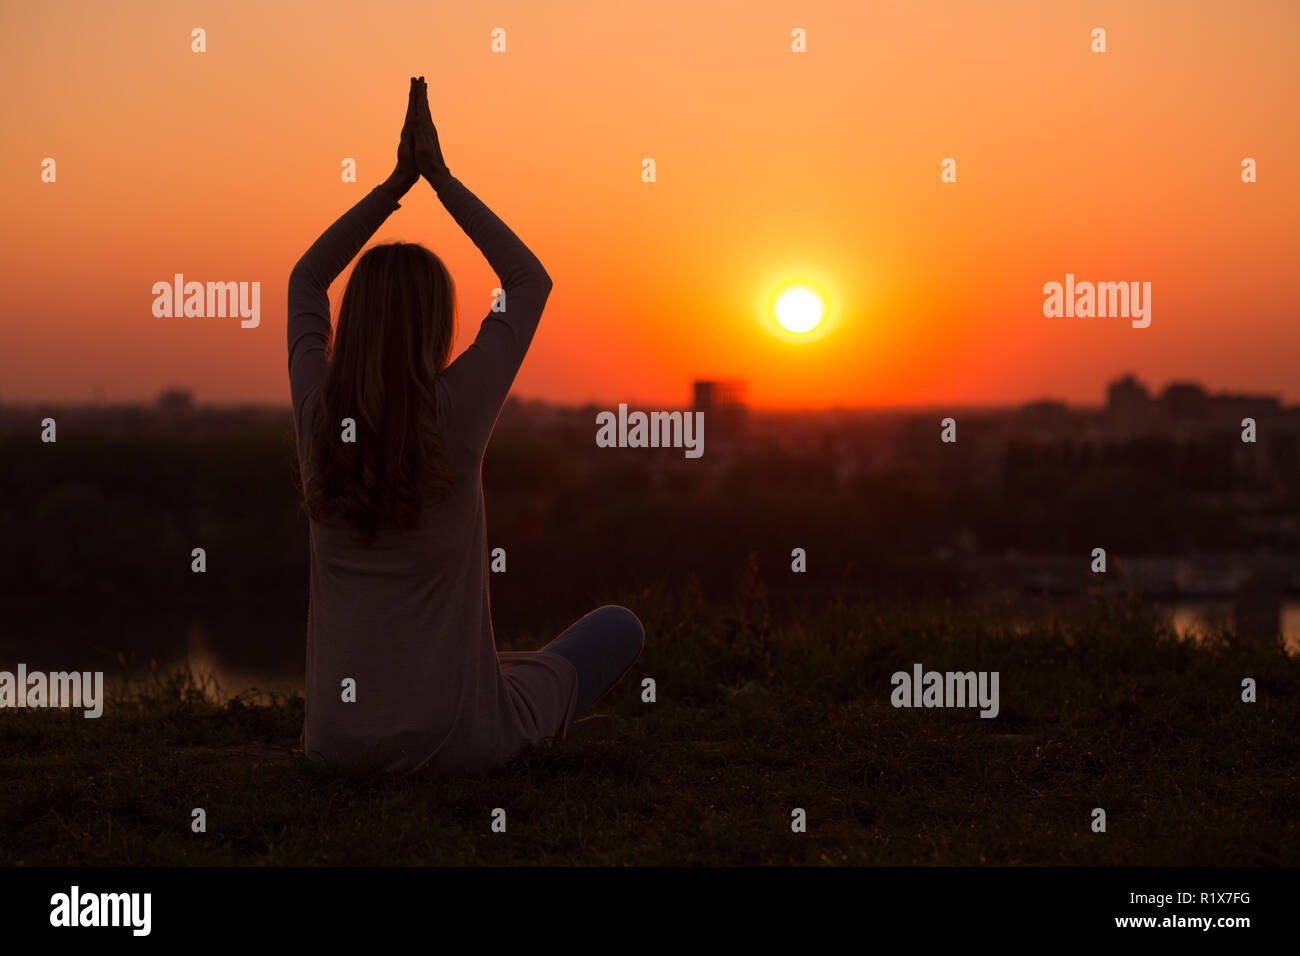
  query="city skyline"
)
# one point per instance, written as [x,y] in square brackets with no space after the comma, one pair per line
[1125,382]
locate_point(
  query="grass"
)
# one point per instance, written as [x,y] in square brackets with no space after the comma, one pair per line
[758,712]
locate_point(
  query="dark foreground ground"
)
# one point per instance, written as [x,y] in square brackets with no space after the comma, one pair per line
[754,718]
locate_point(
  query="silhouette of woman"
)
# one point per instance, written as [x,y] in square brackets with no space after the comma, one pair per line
[402,668]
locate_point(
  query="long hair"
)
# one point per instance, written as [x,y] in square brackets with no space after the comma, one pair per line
[394,335]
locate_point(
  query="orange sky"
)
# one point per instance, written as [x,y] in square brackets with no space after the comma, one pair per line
[772,166]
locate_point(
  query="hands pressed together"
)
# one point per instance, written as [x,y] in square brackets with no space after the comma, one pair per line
[418,151]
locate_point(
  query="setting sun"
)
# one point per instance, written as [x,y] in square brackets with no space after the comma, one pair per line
[799,310]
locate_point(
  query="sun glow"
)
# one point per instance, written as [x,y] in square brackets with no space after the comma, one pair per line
[799,310]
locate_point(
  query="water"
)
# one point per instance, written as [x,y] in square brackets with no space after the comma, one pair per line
[1193,619]
[1200,618]
[262,647]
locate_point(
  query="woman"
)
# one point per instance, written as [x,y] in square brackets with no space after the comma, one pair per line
[402,668]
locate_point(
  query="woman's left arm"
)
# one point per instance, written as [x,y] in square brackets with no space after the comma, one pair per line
[309,282]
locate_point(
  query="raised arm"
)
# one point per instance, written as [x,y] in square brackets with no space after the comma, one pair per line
[477,383]
[309,282]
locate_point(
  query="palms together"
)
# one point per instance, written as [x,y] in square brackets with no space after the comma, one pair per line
[419,153]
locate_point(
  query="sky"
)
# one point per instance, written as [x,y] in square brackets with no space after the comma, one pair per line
[772,167]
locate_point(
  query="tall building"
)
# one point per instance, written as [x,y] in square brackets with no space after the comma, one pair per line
[723,405]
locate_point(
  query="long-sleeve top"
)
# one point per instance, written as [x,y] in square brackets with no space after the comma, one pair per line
[407,618]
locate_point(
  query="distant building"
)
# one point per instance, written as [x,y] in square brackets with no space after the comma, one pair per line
[723,405]
[1184,400]
[1127,396]
[1240,406]
[1046,412]
[176,401]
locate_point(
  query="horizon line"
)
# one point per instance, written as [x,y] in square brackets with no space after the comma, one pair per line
[232,405]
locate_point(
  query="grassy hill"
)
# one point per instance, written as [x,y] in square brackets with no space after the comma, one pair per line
[757,713]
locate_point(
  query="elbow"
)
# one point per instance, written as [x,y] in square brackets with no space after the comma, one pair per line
[531,280]
[301,273]
[543,281]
